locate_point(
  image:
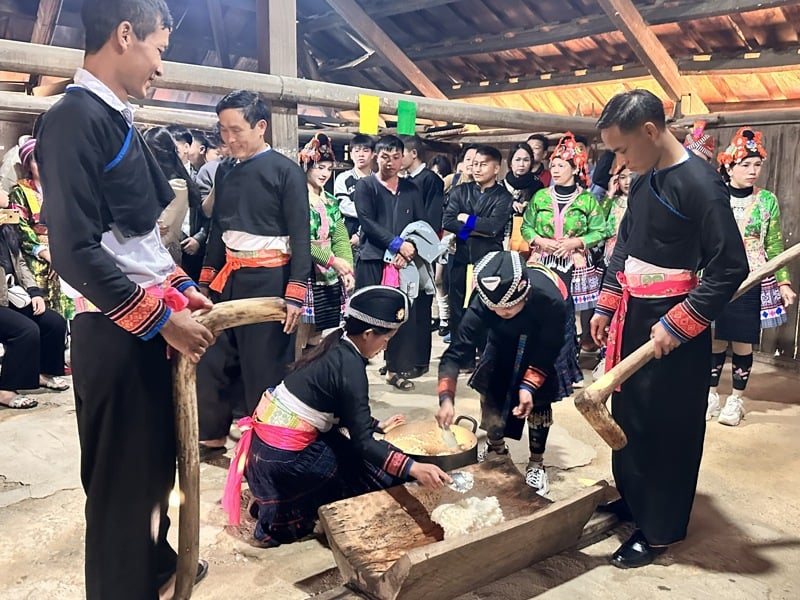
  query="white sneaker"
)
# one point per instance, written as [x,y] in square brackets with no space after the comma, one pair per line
[713,406]
[536,477]
[733,411]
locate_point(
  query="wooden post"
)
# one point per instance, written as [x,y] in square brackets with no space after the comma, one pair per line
[44,28]
[276,22]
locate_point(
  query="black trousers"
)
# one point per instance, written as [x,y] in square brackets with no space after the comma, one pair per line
[402,350]
[126,426]
[661,409]
[456,293]
[422,325]
[34,345]
[254,357]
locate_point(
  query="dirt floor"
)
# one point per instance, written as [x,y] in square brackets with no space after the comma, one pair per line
[744,538]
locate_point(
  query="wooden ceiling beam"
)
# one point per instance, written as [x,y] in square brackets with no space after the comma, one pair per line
[364,26]
[657,14]
[651,52]
[218,32]
[21,57]
[376,10]
[767,61]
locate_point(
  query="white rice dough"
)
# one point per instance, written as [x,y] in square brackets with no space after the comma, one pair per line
[467,516]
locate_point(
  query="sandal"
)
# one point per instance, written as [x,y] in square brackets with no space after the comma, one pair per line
[21,402]
[54,383]
[401,383]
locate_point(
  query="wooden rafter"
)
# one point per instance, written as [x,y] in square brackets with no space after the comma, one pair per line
[376,10]
[218,32]
[657,14]
[363,24]
[651,52]
[768,61]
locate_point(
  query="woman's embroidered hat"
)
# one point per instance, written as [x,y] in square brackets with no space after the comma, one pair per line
[700,141]
[26,151]
[745,144]
[318,149]
[501,279]
[569,150]
[378,305]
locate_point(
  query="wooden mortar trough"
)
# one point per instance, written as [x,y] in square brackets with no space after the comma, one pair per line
[387,547]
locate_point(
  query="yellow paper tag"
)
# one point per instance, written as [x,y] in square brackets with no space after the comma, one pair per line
[470,284]
[369,109]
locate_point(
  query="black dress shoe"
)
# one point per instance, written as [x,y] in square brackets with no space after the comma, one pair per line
[435,324]
[444,331]
[618,507]
[636,552]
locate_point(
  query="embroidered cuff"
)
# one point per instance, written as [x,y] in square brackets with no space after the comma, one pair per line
[180,280]
[683,322]
[396,464]
[787,282]
[295,293]
[395,244]
[446,389]
[142,314]
[468,227]
[533,378]
[525,386]
[608,302]
[207,275]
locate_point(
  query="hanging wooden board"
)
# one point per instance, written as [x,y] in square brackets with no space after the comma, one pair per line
[386,546]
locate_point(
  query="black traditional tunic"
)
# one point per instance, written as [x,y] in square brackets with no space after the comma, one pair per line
[104,193]
[290,486]
[677,218]
[265,196]
[488,211]
[383,216]
[520,352]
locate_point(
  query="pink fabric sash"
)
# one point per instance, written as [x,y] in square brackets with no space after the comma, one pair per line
[674,285]
[277,437]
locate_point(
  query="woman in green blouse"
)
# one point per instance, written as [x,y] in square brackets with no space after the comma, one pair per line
[26,199]
[331,254]
[561,223]
[758,216]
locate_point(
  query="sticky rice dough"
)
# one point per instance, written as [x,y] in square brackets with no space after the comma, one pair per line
[467,516]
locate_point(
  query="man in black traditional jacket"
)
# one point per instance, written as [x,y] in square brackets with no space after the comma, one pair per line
[259,246]
[386,204]
[477,212]
[678,223]
[105,192]
[432,188]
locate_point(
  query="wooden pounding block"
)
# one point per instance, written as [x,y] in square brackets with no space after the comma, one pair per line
[386,546]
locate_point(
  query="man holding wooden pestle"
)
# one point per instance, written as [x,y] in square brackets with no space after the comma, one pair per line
[678,222]
[104,194]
